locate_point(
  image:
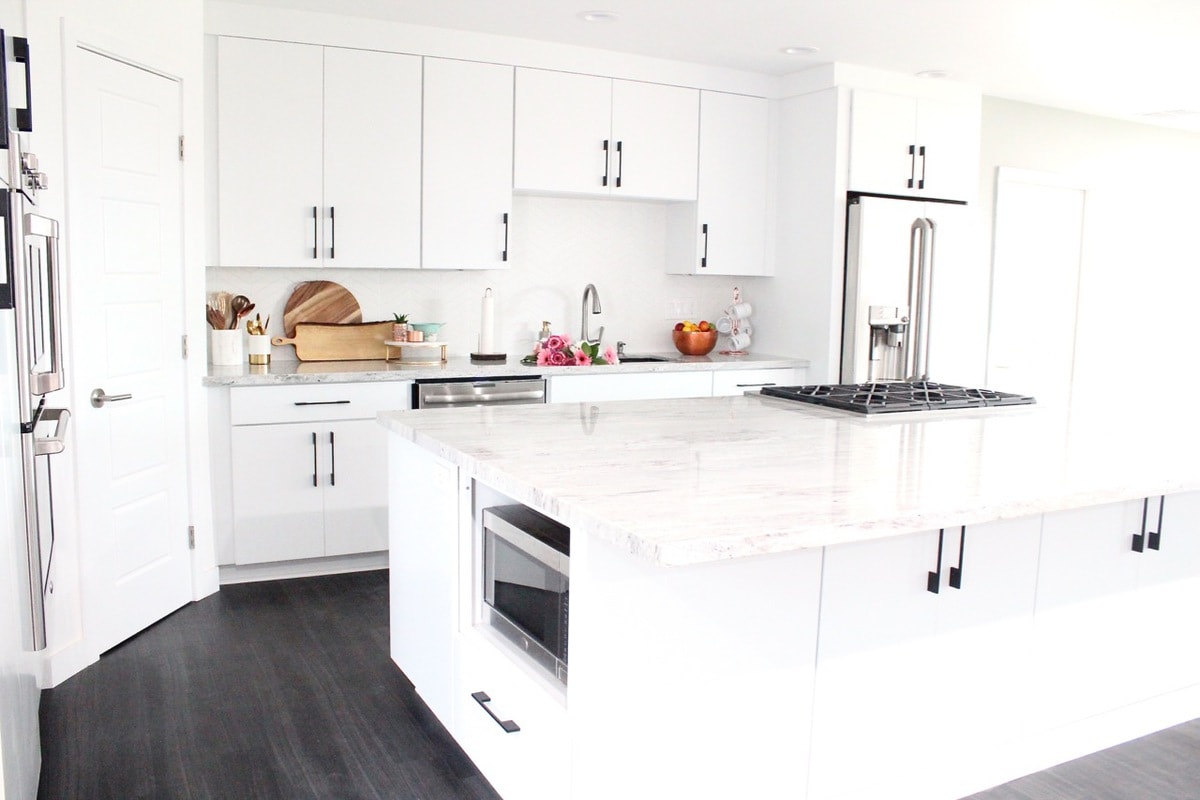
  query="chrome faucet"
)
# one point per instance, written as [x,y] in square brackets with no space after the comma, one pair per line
[590,289]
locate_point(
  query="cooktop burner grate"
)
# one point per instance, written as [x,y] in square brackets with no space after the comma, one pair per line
[878,398]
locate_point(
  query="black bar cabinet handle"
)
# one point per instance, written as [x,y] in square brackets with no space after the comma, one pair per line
[332,462]
[921,183]
[504,252]
[604,178]
[3,95]
[315,254]
[1154,538]
[332,233]
[314,445]
[321,403]
[620,162]
[704,258]
[21,56]
[934,582]
[956,572]
[507,724]
[1139,539]
[912,164]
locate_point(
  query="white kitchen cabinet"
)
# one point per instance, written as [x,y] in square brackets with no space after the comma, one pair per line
[911,146]
[319,156]
[467,164]
[309,470]
[730,382]
[595,385]
[899,663]
[587,135]
[725,231]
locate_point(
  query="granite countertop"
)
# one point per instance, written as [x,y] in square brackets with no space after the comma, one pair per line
[290,372]
[706,479]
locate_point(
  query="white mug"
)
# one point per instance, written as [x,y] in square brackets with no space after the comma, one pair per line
[739,341]
[740,310]
[724,324]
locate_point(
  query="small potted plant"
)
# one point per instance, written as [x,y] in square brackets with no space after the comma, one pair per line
[400,327]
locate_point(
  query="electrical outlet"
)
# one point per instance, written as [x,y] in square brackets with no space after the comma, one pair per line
[680,309]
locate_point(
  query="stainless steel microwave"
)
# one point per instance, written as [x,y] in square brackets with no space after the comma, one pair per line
[526,583]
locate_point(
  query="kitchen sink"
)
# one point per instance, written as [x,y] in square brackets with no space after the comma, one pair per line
[643,359]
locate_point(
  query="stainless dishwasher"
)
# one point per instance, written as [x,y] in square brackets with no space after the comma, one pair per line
[467,392]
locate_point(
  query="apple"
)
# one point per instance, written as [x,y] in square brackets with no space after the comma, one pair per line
[704,325]
[678,326]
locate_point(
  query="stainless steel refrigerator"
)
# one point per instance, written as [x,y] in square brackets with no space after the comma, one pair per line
[916,287]
[31,370]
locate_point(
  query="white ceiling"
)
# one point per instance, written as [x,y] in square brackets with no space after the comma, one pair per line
[1121,58]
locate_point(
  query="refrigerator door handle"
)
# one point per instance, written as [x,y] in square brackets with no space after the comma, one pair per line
[41,383]
[56,443]
[920,291]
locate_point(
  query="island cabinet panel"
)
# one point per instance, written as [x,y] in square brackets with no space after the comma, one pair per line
[597,385]
[900,668]
[727,383]
[1114,626]
[427,502]
[691,681]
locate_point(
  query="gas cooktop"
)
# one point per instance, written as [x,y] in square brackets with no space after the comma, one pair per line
[880,398]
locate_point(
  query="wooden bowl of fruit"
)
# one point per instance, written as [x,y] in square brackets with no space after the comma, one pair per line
[694,339]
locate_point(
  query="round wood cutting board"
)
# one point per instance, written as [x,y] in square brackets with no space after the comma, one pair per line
[320,301]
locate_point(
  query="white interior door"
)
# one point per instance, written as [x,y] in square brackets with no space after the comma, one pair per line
[126,279]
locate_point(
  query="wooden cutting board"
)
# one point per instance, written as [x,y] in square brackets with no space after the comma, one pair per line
[320,301]
[327,342]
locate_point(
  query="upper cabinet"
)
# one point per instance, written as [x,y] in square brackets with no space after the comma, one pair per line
[725,231]
[586,135]
[918,147]
[319,156]
[468,156]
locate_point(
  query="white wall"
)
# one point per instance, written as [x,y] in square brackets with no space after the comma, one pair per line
[1140,269]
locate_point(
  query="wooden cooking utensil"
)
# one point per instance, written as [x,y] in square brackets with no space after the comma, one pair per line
[320,301]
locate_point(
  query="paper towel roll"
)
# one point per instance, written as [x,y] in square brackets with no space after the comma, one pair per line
[487,323]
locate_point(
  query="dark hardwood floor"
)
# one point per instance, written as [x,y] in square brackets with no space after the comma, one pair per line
[281,689]
[284,689]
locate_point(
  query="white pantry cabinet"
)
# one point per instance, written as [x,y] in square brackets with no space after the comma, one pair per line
[725,231]
[467,161]
[919,147]
[319,160]
[588,135]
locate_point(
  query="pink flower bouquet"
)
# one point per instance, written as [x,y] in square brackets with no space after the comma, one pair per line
[558,351]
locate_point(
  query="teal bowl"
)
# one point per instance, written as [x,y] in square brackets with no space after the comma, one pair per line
[430,329]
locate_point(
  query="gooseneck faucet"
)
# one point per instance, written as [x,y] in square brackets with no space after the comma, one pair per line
[584,336]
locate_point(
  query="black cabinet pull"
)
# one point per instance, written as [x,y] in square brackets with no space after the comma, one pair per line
[704,258]
[507,724]
[620,162]
[1139,539]
[504,252]
[934,582]
[956,572]
[21,56]
[1154,538]
[321,403]
[912,165]
[604,178]
[332,462]
[921,183]
[314,444]
[315,254]
[332,233]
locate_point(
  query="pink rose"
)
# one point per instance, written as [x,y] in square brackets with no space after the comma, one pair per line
[610,355]
[566,340]
[557,358]
[582,359]
[556,342]
[543,357]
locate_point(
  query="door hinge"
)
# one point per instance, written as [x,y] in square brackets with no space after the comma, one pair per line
[181,147]
[191,537]
[183,347]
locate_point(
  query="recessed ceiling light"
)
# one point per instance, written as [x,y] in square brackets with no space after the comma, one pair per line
[933,73]
[800,50]
[598,16]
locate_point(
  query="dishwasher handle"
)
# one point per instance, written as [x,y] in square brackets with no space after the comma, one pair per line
[483,398]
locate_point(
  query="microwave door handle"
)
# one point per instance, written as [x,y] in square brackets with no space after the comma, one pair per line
[530,546]
[47,228]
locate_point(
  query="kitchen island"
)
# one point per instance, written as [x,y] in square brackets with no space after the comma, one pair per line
[775,600]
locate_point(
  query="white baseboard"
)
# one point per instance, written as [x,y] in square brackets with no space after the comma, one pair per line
[304,568]
[66,661]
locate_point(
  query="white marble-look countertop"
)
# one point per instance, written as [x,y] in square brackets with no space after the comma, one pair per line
[290,372]
[700,480]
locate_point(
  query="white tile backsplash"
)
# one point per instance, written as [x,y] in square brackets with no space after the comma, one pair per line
[556,247]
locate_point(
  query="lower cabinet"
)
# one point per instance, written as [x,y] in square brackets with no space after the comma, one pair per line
[729,382]
[628,386]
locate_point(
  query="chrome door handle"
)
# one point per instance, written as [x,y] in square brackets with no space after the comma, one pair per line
[99,398]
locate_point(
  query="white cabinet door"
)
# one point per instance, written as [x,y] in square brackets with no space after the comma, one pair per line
[949,132]
[562,127]
[355,482]
[727,383]
[277,496]
[725,233]
[628,386]
[269,138]
[468,162]
[655,132]
[372,159]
